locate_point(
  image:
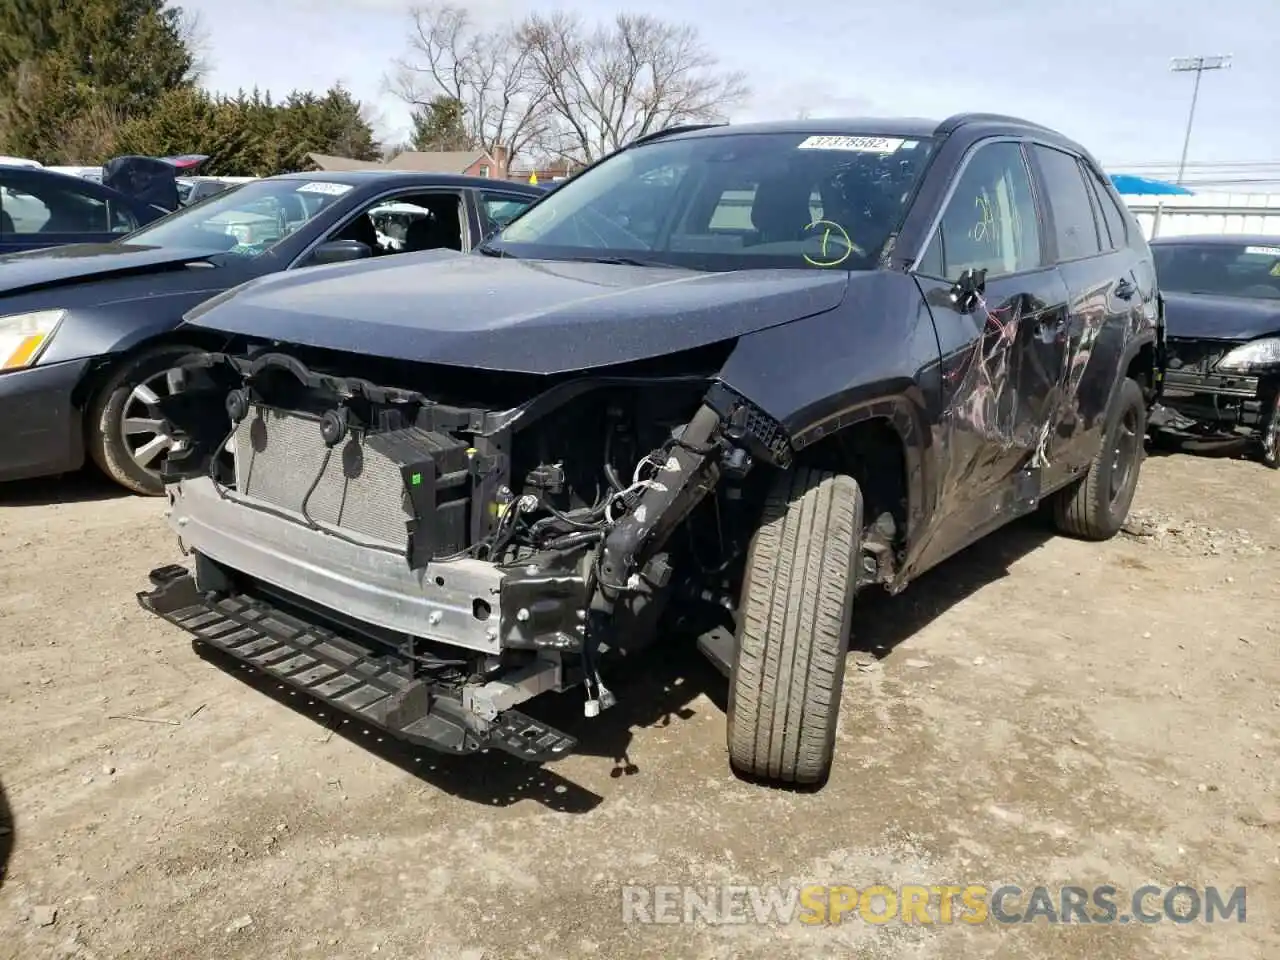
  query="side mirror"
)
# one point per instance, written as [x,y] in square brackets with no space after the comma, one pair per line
[339,251]
[967,291]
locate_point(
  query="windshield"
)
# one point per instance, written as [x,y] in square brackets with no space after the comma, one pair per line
[729,202]
[1251,271]
[246,220]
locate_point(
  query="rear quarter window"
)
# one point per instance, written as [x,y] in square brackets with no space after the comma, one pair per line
[1116,223]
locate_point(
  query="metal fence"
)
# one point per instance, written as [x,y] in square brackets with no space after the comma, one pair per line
[1201,213]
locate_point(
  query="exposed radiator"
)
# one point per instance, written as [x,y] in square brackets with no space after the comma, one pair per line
[360,490]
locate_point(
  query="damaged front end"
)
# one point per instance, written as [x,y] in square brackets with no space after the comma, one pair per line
[1215,391]
[426,563]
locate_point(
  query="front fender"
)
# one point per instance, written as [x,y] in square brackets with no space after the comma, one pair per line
[112,328]
[875,357]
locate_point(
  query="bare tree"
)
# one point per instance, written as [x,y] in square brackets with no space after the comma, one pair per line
[194,35]
[488,71]
[607,85]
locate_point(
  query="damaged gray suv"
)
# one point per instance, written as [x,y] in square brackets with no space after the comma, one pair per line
[704,392]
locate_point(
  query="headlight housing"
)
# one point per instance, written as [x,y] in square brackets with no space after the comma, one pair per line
[24,337]
[1252,355]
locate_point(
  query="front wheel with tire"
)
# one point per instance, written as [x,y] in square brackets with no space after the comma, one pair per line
[1096,506]
[1269,442]
[125,432]
[793,629]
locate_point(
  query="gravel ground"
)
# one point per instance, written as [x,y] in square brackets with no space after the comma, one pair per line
[1037,711]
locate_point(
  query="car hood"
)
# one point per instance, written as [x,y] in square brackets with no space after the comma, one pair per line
[1203,317]
[521,316]
[85,262]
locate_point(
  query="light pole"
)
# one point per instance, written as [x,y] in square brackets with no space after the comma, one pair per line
[1196,65]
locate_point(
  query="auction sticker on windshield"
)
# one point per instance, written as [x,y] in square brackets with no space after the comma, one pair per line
[854,144]
[325,187]
[1264,251]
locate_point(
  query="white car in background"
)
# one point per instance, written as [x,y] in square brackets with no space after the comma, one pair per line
[84,173]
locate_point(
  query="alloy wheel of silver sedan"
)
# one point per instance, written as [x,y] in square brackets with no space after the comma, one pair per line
[125,431]
[141,423]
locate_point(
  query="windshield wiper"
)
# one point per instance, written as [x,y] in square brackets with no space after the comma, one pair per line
[490,252]
[622,261]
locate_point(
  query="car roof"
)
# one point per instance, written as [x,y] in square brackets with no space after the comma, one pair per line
[43,173]
[361,178]
[836,126]
[83,184]
[972,126]
[1219,240]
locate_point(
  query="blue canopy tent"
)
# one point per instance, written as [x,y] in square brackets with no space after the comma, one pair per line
[1126,183]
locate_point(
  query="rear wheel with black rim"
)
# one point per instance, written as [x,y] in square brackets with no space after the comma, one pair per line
[125,432]
[1096,506]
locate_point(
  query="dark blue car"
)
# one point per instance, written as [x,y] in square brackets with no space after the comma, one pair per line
[1222,304]
[40,208]
[88,331]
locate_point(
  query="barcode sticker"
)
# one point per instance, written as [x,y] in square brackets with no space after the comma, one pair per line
[325,187]
[853,144]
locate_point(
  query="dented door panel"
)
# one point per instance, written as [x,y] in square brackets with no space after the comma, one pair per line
[1000,361]
[1094,343]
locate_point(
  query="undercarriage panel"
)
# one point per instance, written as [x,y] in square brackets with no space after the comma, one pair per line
[341,671]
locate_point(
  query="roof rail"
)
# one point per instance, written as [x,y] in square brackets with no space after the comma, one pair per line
[951,123]
[672,131]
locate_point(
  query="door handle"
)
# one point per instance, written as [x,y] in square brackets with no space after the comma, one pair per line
[1126,288]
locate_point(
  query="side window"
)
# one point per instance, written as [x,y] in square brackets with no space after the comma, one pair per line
[408,224]
[1069,200]
[23,213]
[990,221]
[122,221]
[45,209]
[1111,214]
[500,208]
[1104,231]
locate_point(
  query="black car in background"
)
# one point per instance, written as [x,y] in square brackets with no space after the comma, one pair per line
[713,385]
[87,331]
[1222,320]
[40,208]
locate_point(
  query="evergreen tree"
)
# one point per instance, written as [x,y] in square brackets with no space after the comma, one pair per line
[438,126]
[249,134]
[67,65]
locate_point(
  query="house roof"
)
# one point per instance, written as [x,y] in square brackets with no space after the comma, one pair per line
[452,161]
[326,162]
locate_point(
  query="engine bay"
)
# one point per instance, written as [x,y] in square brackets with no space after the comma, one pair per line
[549,519]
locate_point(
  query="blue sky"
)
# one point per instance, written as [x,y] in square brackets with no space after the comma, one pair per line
[1097,71]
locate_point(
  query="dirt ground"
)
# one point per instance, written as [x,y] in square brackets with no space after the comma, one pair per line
[1037,711]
